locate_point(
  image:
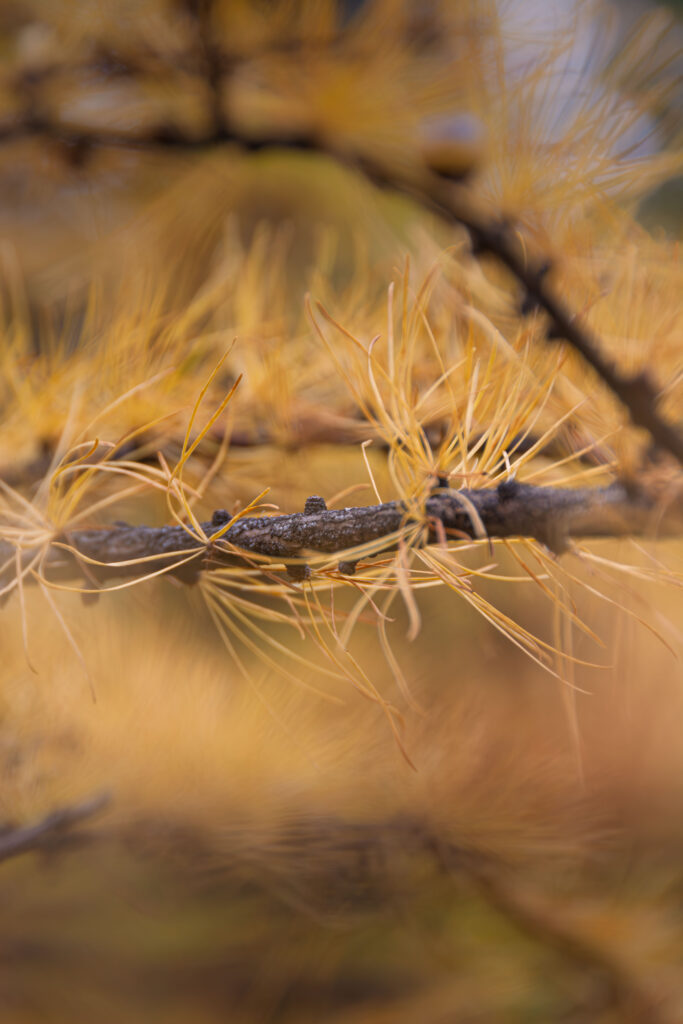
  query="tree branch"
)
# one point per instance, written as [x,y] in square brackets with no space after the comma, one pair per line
[547,514]
[303,433]
[34,837]
[637,392]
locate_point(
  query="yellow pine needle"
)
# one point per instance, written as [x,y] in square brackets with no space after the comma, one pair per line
[19,580]
[362,685]
[390,329]
[542,441]
[121,399]
[187,448]
[553,594]
[621,606]
[54,585]
[392,660]
[659,574]
[218,622]
[351,382]
[367,595]
[575,455]
[403,580]
[61,506]
[218,461]
[366,689]
[71,640]
[176,489]
[64,511]
[30,510]
[107,501]
[264,638]
[252,506]
[20,572]
[340,495]
[363,447]
[226,612]
[581,476]
[532,645]
[45,485]
[565,667]
[473,514]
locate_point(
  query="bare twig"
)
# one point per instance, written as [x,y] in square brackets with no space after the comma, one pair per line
[547,514]
[50,829]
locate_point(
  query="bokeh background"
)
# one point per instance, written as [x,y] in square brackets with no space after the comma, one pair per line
[268,854]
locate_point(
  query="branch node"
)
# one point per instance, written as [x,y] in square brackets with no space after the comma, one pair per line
[529,304]
[315,504]
[298,573]
[554,332]
[640,390]
[508,489]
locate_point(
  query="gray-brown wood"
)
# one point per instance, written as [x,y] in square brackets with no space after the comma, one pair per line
[549,515]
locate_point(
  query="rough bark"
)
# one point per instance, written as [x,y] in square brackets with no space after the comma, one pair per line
[547,514]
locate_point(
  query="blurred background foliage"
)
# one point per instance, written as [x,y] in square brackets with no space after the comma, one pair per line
[267,854]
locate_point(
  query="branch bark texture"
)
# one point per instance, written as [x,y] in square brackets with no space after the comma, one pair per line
[546,514]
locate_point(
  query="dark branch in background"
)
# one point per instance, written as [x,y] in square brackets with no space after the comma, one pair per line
[49,831]
[539,920]
[546,514]
[214,67]
[303,434]
[638,393]
[369,850]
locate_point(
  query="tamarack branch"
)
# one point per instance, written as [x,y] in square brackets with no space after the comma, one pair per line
[549,515]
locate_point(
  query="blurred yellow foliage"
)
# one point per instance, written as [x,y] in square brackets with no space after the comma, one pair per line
[138,284]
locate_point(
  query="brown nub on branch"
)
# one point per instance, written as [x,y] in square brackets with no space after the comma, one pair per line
[551,515]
